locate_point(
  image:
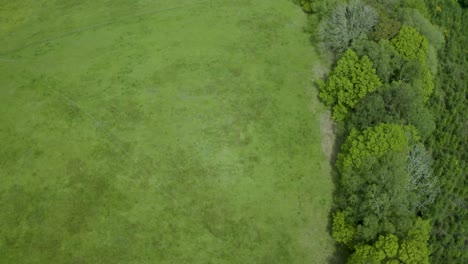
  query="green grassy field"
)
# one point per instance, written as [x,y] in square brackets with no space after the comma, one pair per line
[160,132]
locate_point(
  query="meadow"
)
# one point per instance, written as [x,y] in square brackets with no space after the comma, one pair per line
[160,132]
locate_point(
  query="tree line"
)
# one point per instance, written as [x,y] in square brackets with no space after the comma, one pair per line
[397,90]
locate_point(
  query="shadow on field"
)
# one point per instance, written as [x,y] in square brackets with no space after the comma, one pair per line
[341,252]
[332,138]
[339,256]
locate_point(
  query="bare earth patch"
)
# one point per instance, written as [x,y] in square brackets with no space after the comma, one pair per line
[328,132]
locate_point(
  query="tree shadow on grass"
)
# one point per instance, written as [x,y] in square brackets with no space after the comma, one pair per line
[339,256]
[341,252]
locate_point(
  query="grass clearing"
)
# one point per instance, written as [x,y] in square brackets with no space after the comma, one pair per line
[160,132]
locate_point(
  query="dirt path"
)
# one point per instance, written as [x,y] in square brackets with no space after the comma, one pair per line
[328,131]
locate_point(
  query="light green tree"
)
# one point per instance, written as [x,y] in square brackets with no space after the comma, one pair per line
[343,232]
[384,250]
[412,46]
[374,142]
[366,254]
[350,81]
[388,245]
[413,249]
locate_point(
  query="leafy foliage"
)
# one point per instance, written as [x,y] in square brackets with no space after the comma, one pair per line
[366,254]
[385,248]
[390,249]
[413,47]
[416,20]
[383,55]
[388,245]
[348,83]
[410,44]
[449,143]
[346,24]
[398,103]
[414,248]
[374,142]
[463,3]
[406,59]
[387,28]
[375,197]
[343,232]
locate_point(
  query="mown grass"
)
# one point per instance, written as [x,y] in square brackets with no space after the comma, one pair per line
[160,132]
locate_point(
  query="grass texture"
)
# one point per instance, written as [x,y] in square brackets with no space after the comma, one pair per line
[160,132]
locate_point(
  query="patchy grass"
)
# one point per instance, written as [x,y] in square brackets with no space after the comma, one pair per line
[328,130]
[160,132]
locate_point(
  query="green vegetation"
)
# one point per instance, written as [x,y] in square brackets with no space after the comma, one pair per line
[160,132]
[449,142]
[388,249]
[402,190]
[397,103]
[345,24]
[413,48]
[348,83]
[373,142]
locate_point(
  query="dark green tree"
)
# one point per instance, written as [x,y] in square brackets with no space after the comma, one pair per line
[385,58]
[414,18]
[375,198]
[398,103]
[386,29]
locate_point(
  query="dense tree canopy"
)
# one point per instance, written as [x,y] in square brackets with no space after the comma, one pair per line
[374,142]
[415,19]
[398,103]
[410,44]
[350,81]
[375,198]
[449,142]
[413,47]
[346,24]
[387,28]
[380,187]
[343,231]
[422,183]
[390,249]
[390,176]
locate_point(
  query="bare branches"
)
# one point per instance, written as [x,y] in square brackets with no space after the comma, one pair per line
[421,180]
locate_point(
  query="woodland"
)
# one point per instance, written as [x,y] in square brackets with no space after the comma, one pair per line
[397,88]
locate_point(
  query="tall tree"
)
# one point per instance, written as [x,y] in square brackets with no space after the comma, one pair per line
[375,199]
[347,22]
[374,142]
[350,81]
[389,249]
[385,58]
[422,183]
[413,47]
[398,103]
